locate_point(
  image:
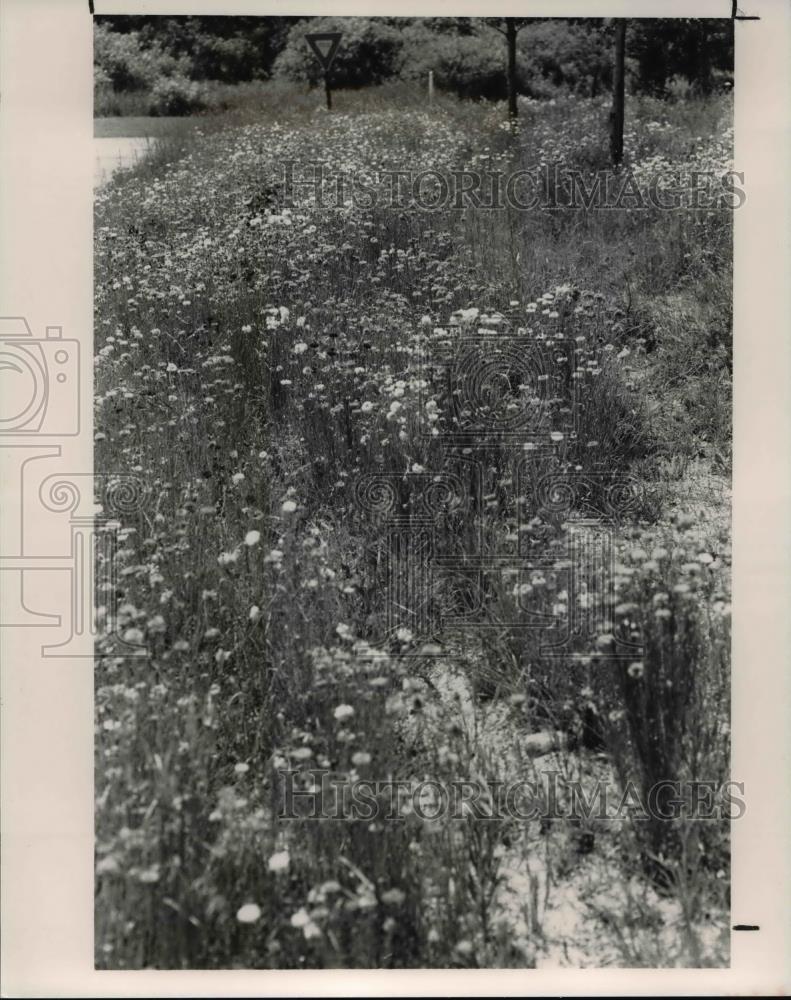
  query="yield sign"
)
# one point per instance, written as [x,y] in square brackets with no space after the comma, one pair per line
[325,45]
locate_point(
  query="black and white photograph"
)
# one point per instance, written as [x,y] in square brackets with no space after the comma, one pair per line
[395,551]
[417,334]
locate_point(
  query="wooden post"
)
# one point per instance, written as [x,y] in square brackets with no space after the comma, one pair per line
[618,88]
[510,36]
[327,91]
[431,86]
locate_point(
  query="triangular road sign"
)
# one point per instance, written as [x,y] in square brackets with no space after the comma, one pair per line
[324,45]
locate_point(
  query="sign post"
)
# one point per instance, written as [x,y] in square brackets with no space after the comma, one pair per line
[324,45]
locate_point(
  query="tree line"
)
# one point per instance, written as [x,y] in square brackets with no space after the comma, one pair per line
[537,57]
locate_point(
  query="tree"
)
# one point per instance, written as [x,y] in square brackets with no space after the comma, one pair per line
[618,90]
[510,28]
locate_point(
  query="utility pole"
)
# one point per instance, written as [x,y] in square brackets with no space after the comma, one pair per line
[618,93]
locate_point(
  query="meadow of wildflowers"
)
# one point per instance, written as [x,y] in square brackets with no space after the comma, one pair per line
[373,441]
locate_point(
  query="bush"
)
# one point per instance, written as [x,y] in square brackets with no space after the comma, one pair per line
[471,66]
[226,59]
[567,55]
[122,61]
[552,56]
[176,96]
[369,52]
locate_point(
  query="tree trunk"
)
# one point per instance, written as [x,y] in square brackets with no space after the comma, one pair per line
[510,36]
[617,113]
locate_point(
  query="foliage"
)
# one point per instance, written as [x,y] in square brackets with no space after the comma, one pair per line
[176,95]
[698,49]
[126,64]
[467,55]
[369,52]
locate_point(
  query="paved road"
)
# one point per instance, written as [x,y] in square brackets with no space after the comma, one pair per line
[114,153]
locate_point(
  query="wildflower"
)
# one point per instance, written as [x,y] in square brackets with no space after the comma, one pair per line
[636,670]
[156,625]
[248,914]
[254,614]
[288,507]
[343,631]
[343,712]
[108,866]
[361,758]
[301,918]
[252,538]
[393,897]
[300,347]
[279,861]
[237,478]
[241,768]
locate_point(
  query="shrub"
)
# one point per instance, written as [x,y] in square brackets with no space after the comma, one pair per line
[227,59]
[176,96]
[552,56]
[565,55]
[126,64]
[472,66]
